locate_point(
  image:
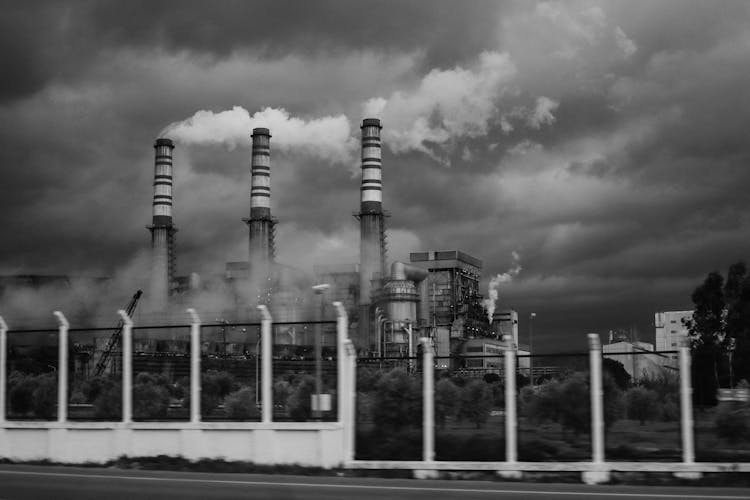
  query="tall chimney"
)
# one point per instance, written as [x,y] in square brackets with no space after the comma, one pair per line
[372,229]
[260,224]
[162,228]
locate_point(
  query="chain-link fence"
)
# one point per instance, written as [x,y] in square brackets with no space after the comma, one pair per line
[31,386]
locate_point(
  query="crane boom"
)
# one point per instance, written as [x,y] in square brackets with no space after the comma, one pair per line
[115,338]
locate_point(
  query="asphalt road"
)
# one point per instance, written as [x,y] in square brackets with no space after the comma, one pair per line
[31,482]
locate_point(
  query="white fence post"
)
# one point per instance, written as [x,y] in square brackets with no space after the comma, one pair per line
[195,366]
[62,367]
[686,404]
[597,415]
[428,397]
[511,446]
[349,395]
[266,372]
[127,367]
[3,366]
[342,335]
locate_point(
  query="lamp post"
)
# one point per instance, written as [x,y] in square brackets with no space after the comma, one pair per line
[319,290]
[531,348]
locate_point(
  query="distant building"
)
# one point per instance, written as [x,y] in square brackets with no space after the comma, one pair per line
[638,358]
[671,330]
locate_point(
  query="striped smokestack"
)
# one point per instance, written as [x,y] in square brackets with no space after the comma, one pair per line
[372,229]
[162,228]
[260,224]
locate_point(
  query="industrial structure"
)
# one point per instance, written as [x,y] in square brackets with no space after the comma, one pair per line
[372,247]
[162,229]
[260,224]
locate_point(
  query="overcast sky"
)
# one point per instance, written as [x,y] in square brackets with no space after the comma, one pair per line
[606,143]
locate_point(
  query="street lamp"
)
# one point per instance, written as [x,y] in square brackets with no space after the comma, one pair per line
[319,290]
[531,348]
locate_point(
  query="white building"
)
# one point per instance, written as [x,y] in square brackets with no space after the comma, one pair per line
[671,330]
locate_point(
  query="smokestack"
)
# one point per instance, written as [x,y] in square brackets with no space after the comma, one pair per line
[372,229]
[162,228]
[260,224]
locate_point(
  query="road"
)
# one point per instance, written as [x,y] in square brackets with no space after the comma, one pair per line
[20,482]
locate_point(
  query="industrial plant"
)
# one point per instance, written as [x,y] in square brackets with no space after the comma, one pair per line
[435,294]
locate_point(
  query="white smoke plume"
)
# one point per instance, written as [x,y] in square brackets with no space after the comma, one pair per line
[446,105]
[506,277]
[542,112]
[327,138]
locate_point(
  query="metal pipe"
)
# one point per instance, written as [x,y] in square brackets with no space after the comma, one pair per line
[511,446]
[195,366]
[127,367]
[3,365]
[428,396]
[62,367]
[597,414]
[686,404]
[267,374]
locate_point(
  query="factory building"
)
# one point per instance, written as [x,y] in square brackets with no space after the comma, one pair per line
[671,330]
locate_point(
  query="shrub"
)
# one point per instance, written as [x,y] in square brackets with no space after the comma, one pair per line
[476,401]
[21,388]
[397,400]
[299,405]
[446,401]
[108,402]
[33,394]
[150,397]
[731,423]
[641,404]
[240,405]
[44,397]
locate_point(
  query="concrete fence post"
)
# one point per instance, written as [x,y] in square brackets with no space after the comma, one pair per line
[342,335]
[686,404]
[349,395]
[266,373]
[3,366]
[511,446]
[127,367]
[597,414]
[62,367]
[428,397]
[195,366]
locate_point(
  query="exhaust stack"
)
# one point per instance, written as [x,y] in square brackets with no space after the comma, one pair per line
[260,224]
[162,228]
[372,229]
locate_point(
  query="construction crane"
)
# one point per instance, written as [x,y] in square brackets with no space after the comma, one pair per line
[115,338]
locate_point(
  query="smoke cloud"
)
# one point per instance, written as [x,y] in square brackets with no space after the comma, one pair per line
[327,138]
[506,277]
[446,105]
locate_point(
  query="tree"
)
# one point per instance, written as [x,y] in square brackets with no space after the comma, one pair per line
[397,401]
[240,405]
[720,332]
[446,400]
[641,404]
[150,397]
[617,371]
[476,402]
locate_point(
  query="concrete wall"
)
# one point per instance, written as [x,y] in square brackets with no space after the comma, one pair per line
[312,444]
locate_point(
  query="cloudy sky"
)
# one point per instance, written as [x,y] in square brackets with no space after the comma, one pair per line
[605,143]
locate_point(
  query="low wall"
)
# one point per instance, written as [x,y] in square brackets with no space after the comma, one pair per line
[312,444]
